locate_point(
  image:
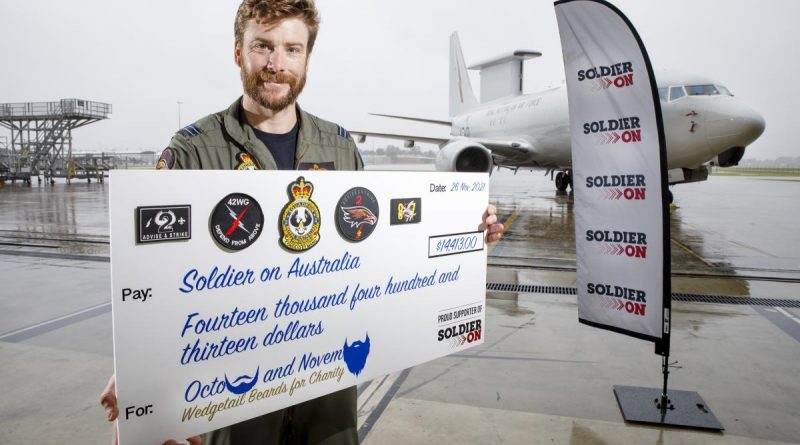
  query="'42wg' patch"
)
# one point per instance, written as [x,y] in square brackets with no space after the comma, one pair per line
[236,221]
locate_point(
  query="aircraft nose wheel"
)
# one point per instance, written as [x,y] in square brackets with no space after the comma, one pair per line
[563,180]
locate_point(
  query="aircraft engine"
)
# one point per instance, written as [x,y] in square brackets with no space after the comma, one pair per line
[464,155]
[729,157]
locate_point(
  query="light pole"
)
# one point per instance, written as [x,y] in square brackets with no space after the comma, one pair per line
[179,114]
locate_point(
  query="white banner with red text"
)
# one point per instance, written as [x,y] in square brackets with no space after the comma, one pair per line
[618,170]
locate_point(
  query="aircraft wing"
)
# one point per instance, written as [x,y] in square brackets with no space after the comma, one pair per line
[416,119]
[362,135]
[501,148]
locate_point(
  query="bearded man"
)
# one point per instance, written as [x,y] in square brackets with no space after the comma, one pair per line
[266,129]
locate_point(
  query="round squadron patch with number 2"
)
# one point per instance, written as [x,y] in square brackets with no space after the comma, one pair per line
[357,214]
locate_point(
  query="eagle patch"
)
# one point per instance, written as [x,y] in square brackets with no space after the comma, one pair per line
[357,214]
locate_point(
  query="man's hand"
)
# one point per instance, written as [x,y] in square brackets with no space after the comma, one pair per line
[493,229]
[108,398]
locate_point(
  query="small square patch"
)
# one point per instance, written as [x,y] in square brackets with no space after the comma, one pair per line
[163,223]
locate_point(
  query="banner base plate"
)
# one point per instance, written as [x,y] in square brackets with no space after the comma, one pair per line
[686,408]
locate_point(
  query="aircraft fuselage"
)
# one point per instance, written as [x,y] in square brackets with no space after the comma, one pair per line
[698,127]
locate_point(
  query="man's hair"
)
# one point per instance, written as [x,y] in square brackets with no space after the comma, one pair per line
[273,11]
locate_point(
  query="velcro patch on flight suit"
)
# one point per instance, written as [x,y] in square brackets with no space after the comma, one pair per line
[316,166]
[189,131]
[167,160]
[245,162]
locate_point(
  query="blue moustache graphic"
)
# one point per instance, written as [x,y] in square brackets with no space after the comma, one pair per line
[246,383]
[355,355]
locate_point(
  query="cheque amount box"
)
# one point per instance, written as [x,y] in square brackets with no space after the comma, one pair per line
[453,244]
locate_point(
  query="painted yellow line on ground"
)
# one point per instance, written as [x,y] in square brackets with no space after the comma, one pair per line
[507,224]
[692,252]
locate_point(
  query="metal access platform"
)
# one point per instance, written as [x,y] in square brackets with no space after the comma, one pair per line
[41,139]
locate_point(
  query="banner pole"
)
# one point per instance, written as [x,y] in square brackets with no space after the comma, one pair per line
[664,403]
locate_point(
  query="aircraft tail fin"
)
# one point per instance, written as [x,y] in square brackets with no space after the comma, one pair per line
[462,98]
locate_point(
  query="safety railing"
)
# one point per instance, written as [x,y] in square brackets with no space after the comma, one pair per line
[62,108]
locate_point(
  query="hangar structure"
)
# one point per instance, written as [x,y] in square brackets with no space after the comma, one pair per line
[41,140]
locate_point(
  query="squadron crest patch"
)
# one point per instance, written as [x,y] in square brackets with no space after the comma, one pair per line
[357,214]
[236,221]
[300,218]
[245,162]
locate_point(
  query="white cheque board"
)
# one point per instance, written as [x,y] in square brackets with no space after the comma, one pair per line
[237,293]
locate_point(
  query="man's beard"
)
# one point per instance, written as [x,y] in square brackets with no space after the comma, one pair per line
[253,86]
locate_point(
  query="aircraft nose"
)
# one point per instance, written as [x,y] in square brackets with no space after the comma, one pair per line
[753,126]
[738,125]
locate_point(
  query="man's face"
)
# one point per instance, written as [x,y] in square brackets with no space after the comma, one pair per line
[273,59]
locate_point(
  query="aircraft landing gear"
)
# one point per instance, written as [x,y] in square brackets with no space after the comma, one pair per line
[563,180]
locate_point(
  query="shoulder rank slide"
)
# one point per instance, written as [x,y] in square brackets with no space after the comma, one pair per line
[190,130]
[342,132]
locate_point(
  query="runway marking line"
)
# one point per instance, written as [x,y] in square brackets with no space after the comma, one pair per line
[52,321]
[692,252]
[373,389]
[786,313]
[391,384]
[507,224]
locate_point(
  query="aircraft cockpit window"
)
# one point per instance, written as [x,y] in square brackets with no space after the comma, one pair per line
[676,93]
[724,90]
[663,93]
[702,90]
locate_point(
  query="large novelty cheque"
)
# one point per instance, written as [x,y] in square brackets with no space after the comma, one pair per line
[239,293]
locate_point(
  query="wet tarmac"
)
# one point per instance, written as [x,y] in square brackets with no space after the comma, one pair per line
[731,236]
[540,377]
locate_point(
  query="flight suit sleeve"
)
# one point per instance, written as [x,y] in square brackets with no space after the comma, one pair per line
[181,154]
[359,162]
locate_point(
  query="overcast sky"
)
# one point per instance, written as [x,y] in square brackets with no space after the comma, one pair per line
[386,56]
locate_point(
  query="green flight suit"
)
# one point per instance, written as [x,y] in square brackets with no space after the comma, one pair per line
[225,141]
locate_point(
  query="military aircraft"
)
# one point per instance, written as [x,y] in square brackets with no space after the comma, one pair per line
[704,123]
